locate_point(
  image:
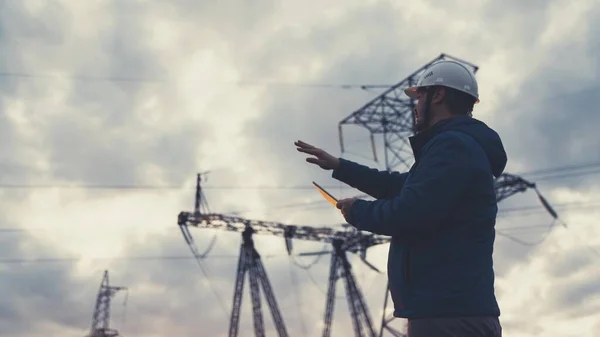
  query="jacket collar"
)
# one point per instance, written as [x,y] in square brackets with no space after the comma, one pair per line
[418,141]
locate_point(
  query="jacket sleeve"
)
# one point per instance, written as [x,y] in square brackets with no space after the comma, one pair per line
[378,184]
[441,178]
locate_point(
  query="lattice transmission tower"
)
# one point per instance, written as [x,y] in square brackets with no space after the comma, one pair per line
[343,241]
[101,317]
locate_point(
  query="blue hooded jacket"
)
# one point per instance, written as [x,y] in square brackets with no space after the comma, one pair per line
[441,217]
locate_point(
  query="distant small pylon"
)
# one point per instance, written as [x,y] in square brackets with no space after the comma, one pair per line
[101,316]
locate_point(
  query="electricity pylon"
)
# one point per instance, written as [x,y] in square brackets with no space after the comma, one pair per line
[101,316]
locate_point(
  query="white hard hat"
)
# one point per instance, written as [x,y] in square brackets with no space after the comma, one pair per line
[447,73]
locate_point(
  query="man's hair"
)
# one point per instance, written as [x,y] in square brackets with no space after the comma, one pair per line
[459,103]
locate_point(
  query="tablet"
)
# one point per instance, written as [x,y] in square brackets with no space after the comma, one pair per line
[332,200]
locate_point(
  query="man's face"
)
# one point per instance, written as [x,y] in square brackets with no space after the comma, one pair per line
[420,109]
[434,107]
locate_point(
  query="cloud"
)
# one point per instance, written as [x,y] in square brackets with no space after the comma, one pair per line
[49,292]
[125,93]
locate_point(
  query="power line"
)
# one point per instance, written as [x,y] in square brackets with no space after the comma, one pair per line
[559,173]
[297,290]
[524,228]
[561,205]
[533,211]
[568,175]
[212,287]
[20,260]
[318,204]
[94,186]
[159,187]
[522,242]
[563,168]
[157,80]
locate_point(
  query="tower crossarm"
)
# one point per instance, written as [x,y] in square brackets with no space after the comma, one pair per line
[507,185]
[348,234]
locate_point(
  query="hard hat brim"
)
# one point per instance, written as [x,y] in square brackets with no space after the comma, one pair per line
[412,92]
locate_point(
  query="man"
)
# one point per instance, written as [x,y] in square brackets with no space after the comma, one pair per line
[440,214]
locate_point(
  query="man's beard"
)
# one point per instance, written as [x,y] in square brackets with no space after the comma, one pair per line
[420,124]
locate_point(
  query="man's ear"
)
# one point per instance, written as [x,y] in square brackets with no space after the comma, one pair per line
[438,95]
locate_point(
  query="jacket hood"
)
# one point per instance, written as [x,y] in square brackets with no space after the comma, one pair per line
[486,137]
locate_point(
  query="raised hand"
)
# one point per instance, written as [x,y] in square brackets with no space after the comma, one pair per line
[321,158]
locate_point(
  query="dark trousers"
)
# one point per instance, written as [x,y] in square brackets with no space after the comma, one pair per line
[455,327]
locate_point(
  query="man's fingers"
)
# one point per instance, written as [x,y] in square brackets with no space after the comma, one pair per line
[314,152]
[345,212]
[304,145]
[315,161]
[341,204]
[305,150]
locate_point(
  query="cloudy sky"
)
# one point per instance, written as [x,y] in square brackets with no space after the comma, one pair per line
[110,108]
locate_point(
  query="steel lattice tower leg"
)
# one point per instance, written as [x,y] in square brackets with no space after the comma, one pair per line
[361,318]
[250,262]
